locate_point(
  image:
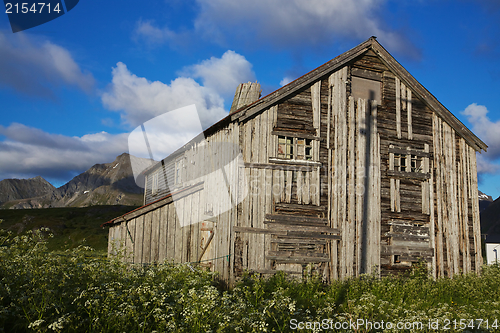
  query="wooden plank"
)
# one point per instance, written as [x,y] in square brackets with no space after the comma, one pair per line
[398,250]
[288,186]
[425,184]
[258,242]
[163,221]
[196,226]
[374,205]
[254,230]
[155,235]
[273,271]
[476,227]
[437,136]
[296,254]
[295,163]
[398,107]
[432,231]
[392,180]
[306,188]
[366,74]
[172,232]
[408,175]
[299,186]
[130,241]
[409,111]
[138,241]
[282,240]
[294,218]
[264,197]
[351,195]
[297,134]
[415,152]
[291,227]
[316,105]
[297,259]
[178,242]
[111,232]
[146,248]
[361,177]
[454,203]
[341,170]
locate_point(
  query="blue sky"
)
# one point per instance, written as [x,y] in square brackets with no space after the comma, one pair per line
[71,90]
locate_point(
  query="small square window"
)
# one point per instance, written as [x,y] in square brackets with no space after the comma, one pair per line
[285,147]
[416,163]
[399,162]
[154,184]
[294,148]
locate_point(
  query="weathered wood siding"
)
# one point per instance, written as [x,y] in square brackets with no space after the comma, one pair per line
[311,213]
[194,224]
[457,231]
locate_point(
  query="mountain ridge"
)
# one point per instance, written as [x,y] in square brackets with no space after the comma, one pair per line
[102,184]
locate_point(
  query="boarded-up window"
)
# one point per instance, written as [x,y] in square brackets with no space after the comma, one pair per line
[366,89]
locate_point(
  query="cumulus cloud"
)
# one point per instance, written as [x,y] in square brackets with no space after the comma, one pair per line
[489,132]
[28,151]
[295,22]
[222,74]
[138,99]
[35,68]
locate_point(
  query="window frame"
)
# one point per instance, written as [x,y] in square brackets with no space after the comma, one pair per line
[154,183]
[295,148]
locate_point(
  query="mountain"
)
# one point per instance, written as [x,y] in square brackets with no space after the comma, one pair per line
[490,218]
[14,189]
[103,184]
[484,200]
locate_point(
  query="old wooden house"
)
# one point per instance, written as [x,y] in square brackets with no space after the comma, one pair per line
[352,168]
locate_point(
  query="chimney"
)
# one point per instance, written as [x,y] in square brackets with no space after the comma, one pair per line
[246,94]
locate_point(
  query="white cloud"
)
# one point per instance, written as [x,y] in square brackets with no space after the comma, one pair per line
[286,80]
[36,68]
[294,22]
[28,151]
[486,166]
[489,132]
[222,74]
[145,30]
[138,99]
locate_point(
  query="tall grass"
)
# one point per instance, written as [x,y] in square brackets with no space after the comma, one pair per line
[75,291]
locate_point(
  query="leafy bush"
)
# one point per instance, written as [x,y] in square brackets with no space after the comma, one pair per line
[77,291]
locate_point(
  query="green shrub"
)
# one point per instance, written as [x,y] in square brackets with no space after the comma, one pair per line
[77,291]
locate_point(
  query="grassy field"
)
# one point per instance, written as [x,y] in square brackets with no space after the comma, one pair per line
[77,291]
[70,226]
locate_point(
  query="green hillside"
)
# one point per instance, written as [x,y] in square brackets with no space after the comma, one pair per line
[71,226]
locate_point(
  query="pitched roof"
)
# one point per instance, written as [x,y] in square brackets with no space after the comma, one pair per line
[342,60]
